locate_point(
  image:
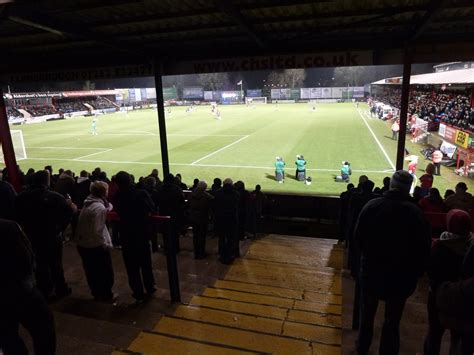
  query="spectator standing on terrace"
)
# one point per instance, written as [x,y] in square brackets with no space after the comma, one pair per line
[394,240]
[7,200]
[257,202]
[344,211]
[94,243]
[81,189]
[216,185]
[226,221]
[437,157]
[386,184]
[20,300]
[134,206]
[44,215]
[461,199]
[426,180]
[65,184]
[172,204]
[433,202]
[179,182]
[446,264]
[243,205]
[199,208]
[195,184]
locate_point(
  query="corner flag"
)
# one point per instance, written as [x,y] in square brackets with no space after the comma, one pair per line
[239,83]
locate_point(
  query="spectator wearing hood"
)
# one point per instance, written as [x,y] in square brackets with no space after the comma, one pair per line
[394,242]
[446,265]
[94,244]
[461,199]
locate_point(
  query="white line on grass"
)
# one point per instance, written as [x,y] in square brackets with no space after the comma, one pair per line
[90,155]
[67,148]
[203,165]
[377,140]
[205,135]
[219,150]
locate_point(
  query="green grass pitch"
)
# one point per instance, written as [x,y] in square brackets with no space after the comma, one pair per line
[243,145]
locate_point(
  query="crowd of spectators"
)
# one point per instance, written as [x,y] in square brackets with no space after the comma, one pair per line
[390,247]
[451,107]
[70,106]
[12,112]
[100,103]
[40,110]
[49,203]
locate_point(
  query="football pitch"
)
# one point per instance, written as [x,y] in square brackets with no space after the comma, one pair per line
[242,145]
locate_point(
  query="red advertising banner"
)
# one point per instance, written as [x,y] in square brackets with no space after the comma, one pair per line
[450,134]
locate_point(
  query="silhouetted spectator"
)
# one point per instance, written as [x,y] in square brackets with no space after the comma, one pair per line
[134,207]
[394,240]
[433,202]
[446,264]
[417,194]
[94,243]
[199,208]
[44,215]
[149,184]
[81,189]
[29,177]
[257,202]
[243,201]
[216,186]
[357,202]
[172,204]
[65,184]
[179,182]
[7,200]
[386,184]
[226,223]
[20,300]
[448,193]
[461,199]
[195,184]
[344,211]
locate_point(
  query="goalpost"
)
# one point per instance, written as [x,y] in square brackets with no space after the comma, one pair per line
[255,100]
[18,146]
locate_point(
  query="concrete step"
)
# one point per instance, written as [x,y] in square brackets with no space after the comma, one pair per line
[320,334]
[160,343]
[251,340]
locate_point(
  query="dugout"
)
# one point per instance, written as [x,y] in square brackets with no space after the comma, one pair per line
[78,41]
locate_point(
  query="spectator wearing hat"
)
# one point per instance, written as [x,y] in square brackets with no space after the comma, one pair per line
[461,199]
[394,242]
[446,264]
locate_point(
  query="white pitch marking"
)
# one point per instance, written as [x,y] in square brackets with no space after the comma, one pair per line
[67,148]
[377,140]
[219,150]
[90,155]
[204,165]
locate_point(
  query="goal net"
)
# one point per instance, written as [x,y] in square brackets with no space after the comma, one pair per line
[18,146]
[255,100]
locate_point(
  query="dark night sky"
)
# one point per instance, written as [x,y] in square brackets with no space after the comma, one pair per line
[252,80]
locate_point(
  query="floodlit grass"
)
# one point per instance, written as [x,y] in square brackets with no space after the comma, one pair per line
[243,145]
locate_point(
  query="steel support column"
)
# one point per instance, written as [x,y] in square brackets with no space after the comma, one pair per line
[160,108]
[404,109]
[7,147]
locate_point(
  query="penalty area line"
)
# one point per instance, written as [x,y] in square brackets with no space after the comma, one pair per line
[219,150]
[90,155]
[377,141]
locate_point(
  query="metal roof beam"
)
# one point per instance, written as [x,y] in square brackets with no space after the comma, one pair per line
[50,25]
[434,7]
[231,10]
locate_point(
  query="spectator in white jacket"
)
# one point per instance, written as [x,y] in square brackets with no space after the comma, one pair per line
[94,243]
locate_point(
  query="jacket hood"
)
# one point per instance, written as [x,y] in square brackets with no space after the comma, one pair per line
[458,222]
[92,199]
